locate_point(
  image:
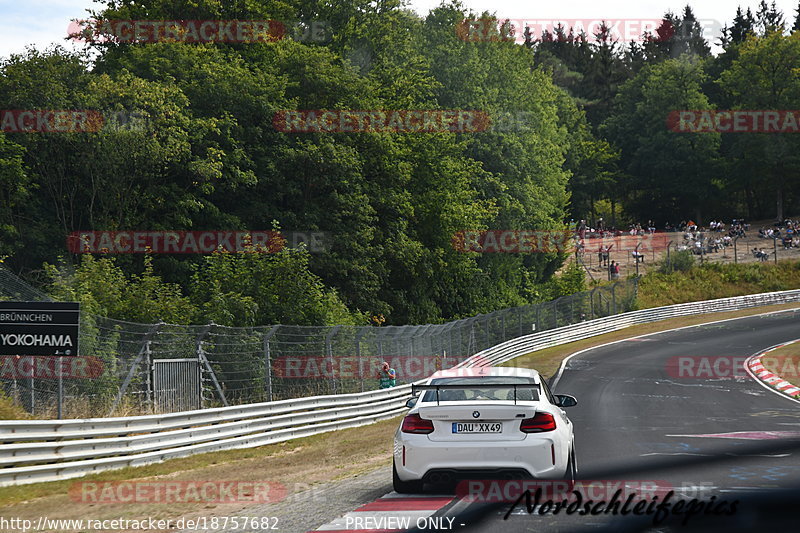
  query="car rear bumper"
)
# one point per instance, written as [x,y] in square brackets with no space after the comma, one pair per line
[416,457]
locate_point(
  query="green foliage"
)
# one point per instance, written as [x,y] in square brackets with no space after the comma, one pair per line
[571,280]
[11,410]
[252,288]
[716,280]
[679,261]
[592,142]
[103,288]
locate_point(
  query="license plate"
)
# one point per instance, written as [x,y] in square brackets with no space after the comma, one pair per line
[477,427]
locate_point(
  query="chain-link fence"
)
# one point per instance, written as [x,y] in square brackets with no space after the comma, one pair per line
[127,368]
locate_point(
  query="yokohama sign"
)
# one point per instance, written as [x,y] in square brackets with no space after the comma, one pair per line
[39,328]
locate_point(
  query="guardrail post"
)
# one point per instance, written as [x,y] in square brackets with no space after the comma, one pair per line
[268,362]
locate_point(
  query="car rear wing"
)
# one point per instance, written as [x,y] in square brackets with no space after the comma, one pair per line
[415,389]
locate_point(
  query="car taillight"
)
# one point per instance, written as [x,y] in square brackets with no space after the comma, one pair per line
[415,424]
[539,423]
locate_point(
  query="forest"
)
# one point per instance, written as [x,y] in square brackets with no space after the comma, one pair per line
[571,126]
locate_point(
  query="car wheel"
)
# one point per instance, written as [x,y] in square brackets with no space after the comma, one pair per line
[572,469]
[405,487]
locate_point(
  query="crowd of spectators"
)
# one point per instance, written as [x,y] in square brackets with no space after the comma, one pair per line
[789,237]
[712,238]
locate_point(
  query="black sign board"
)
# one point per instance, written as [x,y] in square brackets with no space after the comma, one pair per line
[39,328]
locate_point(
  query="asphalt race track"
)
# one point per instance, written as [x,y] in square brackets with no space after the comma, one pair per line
[638,408]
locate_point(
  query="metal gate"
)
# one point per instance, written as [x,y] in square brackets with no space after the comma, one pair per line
[176,385]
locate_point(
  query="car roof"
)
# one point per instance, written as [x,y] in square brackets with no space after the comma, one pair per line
[487,371]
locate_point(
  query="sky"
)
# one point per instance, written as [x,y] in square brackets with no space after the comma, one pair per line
[43,22]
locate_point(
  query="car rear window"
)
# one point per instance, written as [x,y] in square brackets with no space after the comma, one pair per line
[482,389]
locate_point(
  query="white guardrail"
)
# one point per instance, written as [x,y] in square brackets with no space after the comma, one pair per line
[49,450]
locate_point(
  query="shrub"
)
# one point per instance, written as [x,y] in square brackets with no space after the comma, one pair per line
[680,261]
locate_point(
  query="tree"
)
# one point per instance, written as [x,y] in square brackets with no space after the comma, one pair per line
[796,25]
[15,192]
[673,172]
[769,19]
[743,25]
[765,77]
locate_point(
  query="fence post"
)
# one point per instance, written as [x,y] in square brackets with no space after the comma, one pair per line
[201,355]
[361,331]
[572,309]
[555,313]
[148,362]
[33,395]
[60,387]
[268,362]
[614,298]
[139,356]
[329,349]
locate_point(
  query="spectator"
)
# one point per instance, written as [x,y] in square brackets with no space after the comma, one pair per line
[613,270]
[387,377]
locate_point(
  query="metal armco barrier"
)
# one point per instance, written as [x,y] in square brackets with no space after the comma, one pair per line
[45,450]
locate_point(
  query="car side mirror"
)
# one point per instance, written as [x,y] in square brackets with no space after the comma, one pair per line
[565,400]
[411,402]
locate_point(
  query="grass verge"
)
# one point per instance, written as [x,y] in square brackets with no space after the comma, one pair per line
[295,464]
[716,280]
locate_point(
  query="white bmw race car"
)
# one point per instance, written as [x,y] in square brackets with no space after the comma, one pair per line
[495,422]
